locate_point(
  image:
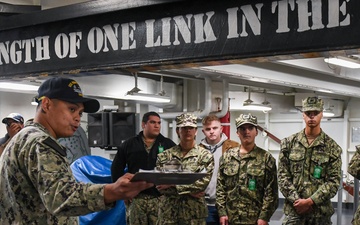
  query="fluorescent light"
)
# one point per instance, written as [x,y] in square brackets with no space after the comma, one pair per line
[147,97]
[328,113]
[250,105]
[134,94]
[256,107]
[15,86]
[344,62]
[325,91]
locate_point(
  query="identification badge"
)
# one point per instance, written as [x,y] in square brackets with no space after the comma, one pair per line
[252,184]
[161,149]
[317,172]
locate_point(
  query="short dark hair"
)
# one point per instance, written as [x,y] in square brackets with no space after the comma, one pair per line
[148,114]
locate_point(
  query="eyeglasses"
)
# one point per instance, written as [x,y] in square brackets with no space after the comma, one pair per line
[312,113]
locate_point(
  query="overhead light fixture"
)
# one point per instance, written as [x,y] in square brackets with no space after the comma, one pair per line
[349,62]
[250,105]
[328,112]
[325,91]
[256,107]
[134,94]
[148,97]
[17,86]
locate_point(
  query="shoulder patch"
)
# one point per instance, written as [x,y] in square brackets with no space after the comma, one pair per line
[52,144]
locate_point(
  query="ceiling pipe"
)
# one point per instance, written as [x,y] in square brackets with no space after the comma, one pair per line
[207,108]
[199,113]
[225,100]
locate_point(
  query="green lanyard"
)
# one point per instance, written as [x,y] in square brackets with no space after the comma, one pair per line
[252,184]
[160,148]
[317,172]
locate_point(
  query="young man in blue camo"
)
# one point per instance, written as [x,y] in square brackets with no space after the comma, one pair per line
[309,170]
[185,204]
[36,182]
[354,170]
[247,189]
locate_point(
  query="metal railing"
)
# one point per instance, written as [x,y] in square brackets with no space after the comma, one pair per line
[340,202]
[355,194]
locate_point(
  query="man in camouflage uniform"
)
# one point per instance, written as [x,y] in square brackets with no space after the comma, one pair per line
[309,170]
[36,182]
[185,204]
[217,143]
[354,170]
[247,191]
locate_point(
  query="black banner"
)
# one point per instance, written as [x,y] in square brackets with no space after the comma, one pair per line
[180,32]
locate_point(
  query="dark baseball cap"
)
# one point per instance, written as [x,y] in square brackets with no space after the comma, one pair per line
[67,90]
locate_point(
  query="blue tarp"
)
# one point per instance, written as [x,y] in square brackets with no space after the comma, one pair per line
[96,169]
